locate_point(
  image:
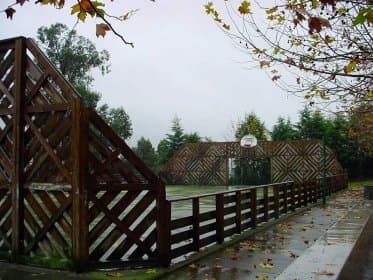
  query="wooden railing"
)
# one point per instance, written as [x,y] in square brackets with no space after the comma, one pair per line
[235,211]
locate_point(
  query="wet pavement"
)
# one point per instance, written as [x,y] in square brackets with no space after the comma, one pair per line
[313,245]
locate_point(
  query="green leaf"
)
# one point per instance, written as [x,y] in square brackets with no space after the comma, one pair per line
[244,8]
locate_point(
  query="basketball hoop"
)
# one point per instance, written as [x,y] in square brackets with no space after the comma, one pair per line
[248,141]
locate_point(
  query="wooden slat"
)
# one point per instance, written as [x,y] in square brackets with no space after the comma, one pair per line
[208,240]
[123,203]
[229,221]
[7,63]
[181,222]
[238,212]
[49,150]
[5,91]
[149,241]
[18,152]
[163,230]
[36,87]
[211,227]
[115,187]
[130,218]
[47,108]
[180,251]
[139,230]
[206,216]
[48,225]
[196,225]
[219,198]
[119,143]
[182,236]
[121,225]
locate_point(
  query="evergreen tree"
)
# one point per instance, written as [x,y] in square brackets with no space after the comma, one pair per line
[283,130]
[251,125]
[193,137]
[146,151]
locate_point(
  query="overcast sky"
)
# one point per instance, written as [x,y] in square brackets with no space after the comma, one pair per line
[182,64]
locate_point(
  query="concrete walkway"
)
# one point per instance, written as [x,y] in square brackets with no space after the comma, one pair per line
[312,245]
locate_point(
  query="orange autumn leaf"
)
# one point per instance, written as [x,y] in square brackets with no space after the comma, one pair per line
[101,29]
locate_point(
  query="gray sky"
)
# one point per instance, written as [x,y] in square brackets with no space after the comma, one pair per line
[182,64]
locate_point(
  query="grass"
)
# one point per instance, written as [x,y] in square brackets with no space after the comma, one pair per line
[360,183]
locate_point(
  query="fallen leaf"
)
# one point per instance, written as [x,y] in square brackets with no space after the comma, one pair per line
[235,257]
[261,277]
[324,272]
[114,274]
[230,250]
[203,249]
[151,271]
[193,266]
[266,265]
[218,266]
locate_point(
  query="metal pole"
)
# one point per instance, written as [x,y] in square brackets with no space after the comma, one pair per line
[323,170]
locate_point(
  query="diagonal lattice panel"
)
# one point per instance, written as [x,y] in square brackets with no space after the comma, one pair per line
[43,166]
[290,160]
[79,191]
[121,221]
[5,220]
[6,104]
[48,229]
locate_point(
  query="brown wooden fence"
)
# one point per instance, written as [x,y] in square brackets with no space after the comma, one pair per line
[238,210]
[72,190]
[69,186]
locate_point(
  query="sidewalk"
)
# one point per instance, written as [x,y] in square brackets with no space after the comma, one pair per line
[312,245]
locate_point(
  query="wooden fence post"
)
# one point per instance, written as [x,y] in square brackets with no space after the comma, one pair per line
[284,188]
[238,217]
[79,146]
[305,192]
[163,224]
[265,203]
[195,209]
[219,200]
[292,196]
[18,150]
[253,207]
[276,201]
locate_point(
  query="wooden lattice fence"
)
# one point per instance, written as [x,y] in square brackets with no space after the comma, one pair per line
[69,186]
[208,163]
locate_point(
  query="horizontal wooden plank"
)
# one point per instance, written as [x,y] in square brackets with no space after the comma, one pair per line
[181,236]
[182,250]
[207,228]
[205,216]
[229,198]
[230,232]
[181,222]
[230,221]
[47,108]
[246,225]
[116,187]
[230,210]
[5,111]
[207,240]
